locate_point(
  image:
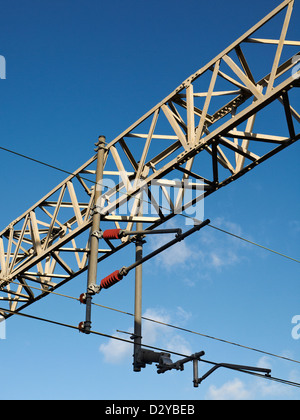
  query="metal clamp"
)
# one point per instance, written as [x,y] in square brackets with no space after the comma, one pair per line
[96,210]
[139,240]
[147,357]
[124,271]
[100,144]
[97,233]
[93,289]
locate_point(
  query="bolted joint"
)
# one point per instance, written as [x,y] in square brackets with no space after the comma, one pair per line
[165,363]
[93,289]
[97,233]
[124,271]
[100,144]
[138,240]
[84,327]
[98,210]
[147,357]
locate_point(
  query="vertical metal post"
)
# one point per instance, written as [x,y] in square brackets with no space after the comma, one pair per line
[195,373]
[138,297]
[94,236]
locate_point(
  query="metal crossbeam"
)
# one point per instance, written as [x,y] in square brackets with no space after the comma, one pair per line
[195,135]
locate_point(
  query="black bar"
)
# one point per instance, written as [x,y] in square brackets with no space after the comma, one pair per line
[166,246]
[151,232]
[88,314]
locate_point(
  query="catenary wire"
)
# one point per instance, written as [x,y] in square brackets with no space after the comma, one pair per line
[283,381]
[92,331]
[148,202]
[162,208]
[38,161]
[254,243]
[177,327]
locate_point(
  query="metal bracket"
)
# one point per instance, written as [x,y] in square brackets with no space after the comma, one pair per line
[165,365]
[132,336]
[98,210]
[94,210]
[240,368]
[147,357]
[100,143]
[93,289]
[138,240]
[100,146]
[179,365]
[97,233]
[124,271]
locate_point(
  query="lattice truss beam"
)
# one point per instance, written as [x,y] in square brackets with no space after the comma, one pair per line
[225,119]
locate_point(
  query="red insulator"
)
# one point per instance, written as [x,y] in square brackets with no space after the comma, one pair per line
[81,326]
[110,280]
[82,298]
[111,234]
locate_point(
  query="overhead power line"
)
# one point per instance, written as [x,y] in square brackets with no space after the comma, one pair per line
[283,381]
[178,328]
[148,202]
[195,221]
[36,160]
[254,243]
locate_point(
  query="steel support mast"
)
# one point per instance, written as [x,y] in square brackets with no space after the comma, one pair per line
[95,234]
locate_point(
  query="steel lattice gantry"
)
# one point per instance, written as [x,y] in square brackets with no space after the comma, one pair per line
[206,133]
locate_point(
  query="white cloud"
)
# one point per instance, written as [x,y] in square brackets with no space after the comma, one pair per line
[151,330]
[236,389]
[264,362]
[178,344]
[216,260]
[269,388]
[163,336]
[223,257]
[223,249]
[206,250]
[182,315]
[178,254]
[232,227]
[115,351]
[232,390]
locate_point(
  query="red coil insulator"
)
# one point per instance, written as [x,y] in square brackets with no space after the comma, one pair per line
[110,280]
[111,234]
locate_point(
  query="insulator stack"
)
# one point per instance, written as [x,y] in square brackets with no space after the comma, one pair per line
[112,234]
[110,280]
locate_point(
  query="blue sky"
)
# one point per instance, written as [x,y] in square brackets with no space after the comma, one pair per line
[77,69]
